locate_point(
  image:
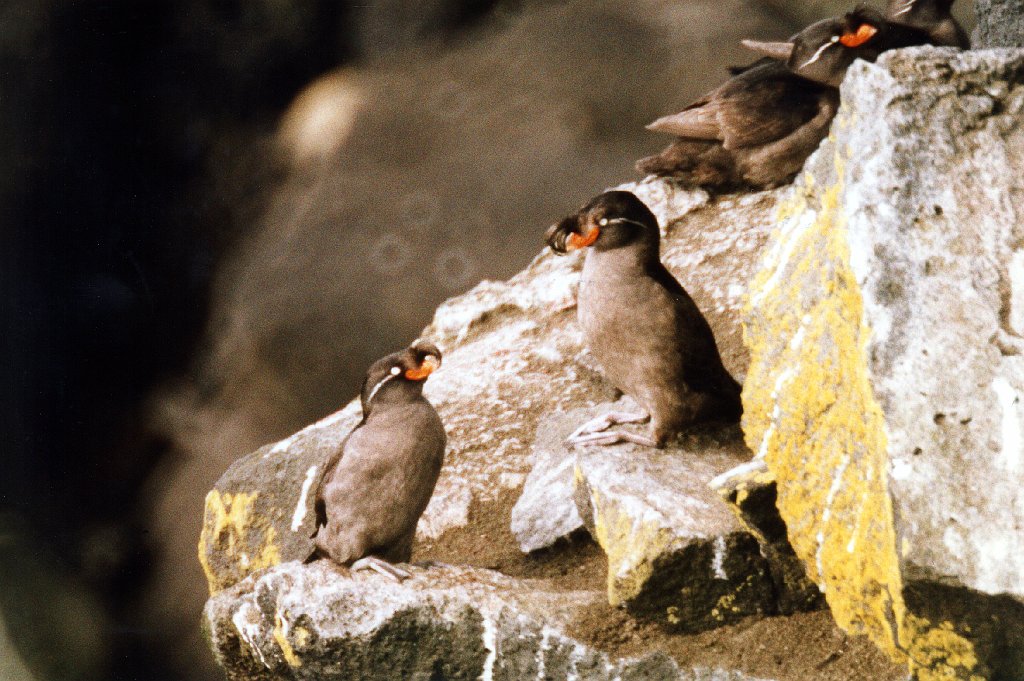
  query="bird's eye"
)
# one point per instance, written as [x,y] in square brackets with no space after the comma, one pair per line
[396,370]
[603,222]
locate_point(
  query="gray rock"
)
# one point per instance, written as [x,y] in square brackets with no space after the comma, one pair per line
[676,553]
[1000,23]
[319,622]
[886,382]
[546,510]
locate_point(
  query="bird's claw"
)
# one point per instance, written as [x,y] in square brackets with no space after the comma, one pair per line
[611,438]
[383,567]
[606,421]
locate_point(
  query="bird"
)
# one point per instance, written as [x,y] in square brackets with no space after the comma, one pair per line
[380,481]
[644,330]
[932,16]
[757,129]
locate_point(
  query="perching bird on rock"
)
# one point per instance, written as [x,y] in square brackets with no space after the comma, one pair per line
[645,331]
[758,128]
[376,490]
[935,17]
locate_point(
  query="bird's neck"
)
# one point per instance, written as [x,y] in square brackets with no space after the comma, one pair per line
[395,393]
[625,260]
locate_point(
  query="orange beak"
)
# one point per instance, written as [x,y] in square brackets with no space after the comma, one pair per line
[425,369]
[578,241]
[864,33]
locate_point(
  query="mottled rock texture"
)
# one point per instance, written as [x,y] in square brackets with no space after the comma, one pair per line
[318,622]
[1000,23]
[886,384]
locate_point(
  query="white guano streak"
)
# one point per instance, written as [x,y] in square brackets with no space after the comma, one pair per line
[718,561]
[906,7]
[300,509]
[542,653]
[490,640]
[248,630]
[1012,430]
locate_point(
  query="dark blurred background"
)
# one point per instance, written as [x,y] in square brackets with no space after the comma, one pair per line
[216,213]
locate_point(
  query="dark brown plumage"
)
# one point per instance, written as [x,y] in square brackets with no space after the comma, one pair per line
[646,332]
[376,490]
[932,16]
[758,128]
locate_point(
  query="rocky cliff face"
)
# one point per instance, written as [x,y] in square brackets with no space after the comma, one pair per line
[886,380]
[883,411]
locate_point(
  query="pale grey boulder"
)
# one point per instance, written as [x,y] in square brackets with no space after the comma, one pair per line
[886,386]
[261,511]
[319,622]
[676,552]
[546,509]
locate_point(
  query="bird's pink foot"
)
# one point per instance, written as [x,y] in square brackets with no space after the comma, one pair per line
[604,422]
[611,438]
[383,567]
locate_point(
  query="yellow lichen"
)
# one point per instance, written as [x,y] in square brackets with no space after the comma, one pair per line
[281,636]
[938,652]
[810,411]
[724,605]
[229,524]
[630,546]
[301,636]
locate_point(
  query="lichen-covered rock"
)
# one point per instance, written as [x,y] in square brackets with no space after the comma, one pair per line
[676,553]
[886,382]
[751,492]
[261,511]
[1000,23]
[319,622]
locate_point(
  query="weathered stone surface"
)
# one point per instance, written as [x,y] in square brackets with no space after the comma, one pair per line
[513,353]
[546,509]
[1000,23]
[319,622]
[676,553]
[885,389]
[751,492]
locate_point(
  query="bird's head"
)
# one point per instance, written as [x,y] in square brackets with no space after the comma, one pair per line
[402,372]
[611,220]
[824,51]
